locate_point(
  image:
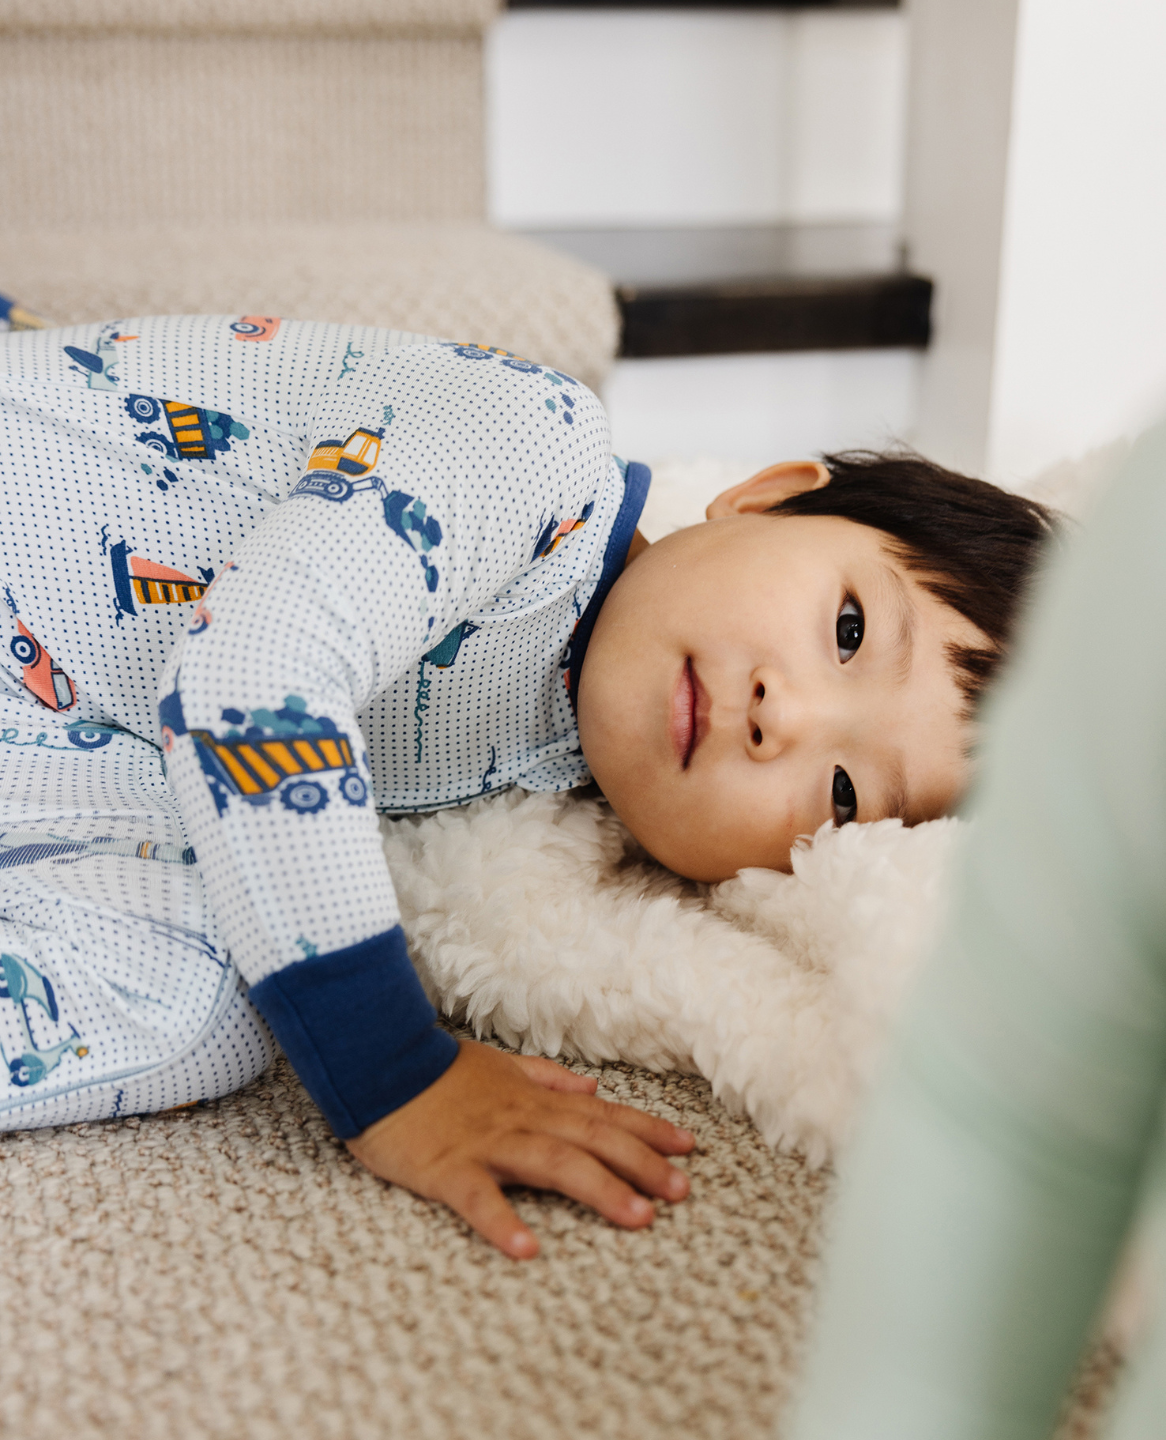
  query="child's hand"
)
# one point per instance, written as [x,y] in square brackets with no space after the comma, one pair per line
[495,1119]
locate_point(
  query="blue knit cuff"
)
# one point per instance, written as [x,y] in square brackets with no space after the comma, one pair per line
[358,1029]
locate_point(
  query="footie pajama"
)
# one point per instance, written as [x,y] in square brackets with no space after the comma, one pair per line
[259,580]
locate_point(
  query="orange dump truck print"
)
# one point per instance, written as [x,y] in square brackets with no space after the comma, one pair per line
[186,427]
[42,675]
[254,767]
[284,752]
[195,433]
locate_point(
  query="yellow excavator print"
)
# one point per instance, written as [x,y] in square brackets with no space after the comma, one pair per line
[357,456]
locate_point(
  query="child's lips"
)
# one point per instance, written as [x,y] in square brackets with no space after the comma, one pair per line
[689,717]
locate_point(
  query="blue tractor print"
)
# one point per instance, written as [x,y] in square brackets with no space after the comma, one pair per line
[23,983]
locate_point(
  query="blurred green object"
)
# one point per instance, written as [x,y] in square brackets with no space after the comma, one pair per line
[1015,1144]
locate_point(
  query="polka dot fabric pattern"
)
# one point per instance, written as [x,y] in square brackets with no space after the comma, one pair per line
[330,570]
[116,996]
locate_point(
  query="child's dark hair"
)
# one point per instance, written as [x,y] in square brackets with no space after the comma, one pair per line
[973,545]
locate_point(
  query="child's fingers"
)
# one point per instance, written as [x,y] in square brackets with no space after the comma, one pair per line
[661,1135]
[625,1154]
[478,1199]
[549,1163]
[555,1077]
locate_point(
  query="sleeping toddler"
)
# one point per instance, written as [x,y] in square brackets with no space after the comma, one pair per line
[266,580]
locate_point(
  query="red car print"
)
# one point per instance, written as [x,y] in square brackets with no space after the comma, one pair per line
[47,681]
[256,327]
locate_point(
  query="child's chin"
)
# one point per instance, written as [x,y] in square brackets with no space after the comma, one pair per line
[708,869]
[674,854]
[688,867]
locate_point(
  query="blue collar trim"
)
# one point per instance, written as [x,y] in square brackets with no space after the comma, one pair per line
[637,478]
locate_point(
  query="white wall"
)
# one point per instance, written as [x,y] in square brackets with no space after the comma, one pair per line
[960,97]
[648,118]
[680,118]
[761,408]
[1036,198]
[1081,328]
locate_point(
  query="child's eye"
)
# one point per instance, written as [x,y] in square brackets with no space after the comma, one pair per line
[849,630]
[842,793]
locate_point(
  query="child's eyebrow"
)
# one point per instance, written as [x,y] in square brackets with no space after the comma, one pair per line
[903,643]
[895,804]
[896,801]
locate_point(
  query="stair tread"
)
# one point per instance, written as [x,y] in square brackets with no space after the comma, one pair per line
[716,290]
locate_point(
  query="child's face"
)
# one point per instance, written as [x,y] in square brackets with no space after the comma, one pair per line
[755,676]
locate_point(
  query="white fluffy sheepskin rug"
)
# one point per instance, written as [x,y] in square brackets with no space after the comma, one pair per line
[536,919]
[533,918]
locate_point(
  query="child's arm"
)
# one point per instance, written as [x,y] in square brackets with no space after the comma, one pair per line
[395,538]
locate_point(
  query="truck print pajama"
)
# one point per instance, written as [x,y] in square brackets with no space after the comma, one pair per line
[260,580]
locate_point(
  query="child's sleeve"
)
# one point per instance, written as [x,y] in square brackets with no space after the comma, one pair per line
[431,473]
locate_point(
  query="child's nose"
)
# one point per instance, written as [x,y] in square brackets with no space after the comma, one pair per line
[780,714]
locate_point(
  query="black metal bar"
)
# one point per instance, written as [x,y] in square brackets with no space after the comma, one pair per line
[870,311]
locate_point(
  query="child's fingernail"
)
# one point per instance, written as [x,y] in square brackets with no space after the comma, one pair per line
[684,1136]
[677,1184]
[641,1209]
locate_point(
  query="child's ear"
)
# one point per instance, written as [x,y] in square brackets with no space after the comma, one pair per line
[769,487]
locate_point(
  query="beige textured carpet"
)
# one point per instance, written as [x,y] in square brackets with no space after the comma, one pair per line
[467,282]
[229,1271]
[128,112]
